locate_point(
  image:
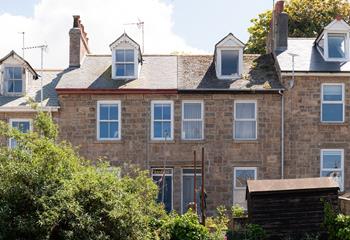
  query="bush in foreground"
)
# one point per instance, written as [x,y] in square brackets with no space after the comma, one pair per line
[47,191]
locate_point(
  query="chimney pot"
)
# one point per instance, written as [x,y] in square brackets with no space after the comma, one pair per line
[78,43]
[338,17]
[76,21]
[279,7]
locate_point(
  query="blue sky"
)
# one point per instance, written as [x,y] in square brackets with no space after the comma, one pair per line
[178,25]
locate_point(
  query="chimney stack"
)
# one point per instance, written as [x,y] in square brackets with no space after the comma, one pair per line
[78,43]
[278,35]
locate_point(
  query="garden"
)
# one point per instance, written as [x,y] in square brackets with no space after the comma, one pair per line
[48,191]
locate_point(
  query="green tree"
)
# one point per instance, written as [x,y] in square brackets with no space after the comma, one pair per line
[47,191]
[306,19]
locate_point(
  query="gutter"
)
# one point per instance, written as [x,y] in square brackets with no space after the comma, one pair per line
[28,109]
[215,90]
[114,91]
[282,134]
[314,73]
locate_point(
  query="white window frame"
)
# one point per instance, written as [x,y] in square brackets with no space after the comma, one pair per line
[98,120]
[114,62]
[198,174]
[243,168]
[240,62]
[11,120]
[183,137]
[256,120]
[172,180]
[334,169]
[333,102]
[326,55]
[171,119]
[6,80]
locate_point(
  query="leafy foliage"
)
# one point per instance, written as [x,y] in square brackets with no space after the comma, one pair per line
[218,224]
[337,225]
[48,191]
[306,19]
[237,211]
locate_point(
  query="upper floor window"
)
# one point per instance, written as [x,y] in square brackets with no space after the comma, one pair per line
[245,126]
[333,42]
[23,125]
[126,58]
[332,165]
[336,45]
[14,79]
[229,62]
[332,102]
[192,120]
[124,63]
[162,125]
[229,57]
[108,120]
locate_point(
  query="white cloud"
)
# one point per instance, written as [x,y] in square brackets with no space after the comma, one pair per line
[103,20]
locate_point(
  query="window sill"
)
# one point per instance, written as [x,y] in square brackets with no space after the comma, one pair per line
[245,141]
[193,141]
[333,124]
[162,141]
[108,141]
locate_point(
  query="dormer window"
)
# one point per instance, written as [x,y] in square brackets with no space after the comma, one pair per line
[126,57]
[229,62]
[125,63]
[14,79]
[229,58]
[333,42]
[336,45]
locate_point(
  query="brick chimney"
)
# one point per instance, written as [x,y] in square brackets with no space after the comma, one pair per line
[78,43]
[277,40]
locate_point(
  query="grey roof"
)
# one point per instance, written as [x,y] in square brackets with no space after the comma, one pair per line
[182,72]
[308,58]
[50,98]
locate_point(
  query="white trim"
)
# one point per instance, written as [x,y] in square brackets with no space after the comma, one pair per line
[333,102]
[11,120]
[114,62]
[219,66]
[172,181]
[256,119]
[171,118]
[243,168]
[5,82]
[118,102]
[321,74]
[333,169]
[187,174]
[201,119]
[325,55]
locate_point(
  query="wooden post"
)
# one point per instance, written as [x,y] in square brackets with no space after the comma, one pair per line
[203,190]
[195,181]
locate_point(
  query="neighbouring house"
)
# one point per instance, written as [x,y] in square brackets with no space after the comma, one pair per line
[153,111]
[315,73]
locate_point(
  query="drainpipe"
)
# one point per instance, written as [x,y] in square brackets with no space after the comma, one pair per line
[282,133]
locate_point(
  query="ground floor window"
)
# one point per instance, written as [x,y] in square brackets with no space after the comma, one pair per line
[23,125]
[240,177]
[188,188]
[332,165]
[164,180]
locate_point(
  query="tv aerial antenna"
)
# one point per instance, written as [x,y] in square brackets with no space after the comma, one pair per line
[42,48]
[141,26]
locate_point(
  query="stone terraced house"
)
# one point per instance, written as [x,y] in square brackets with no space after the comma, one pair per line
[256,116]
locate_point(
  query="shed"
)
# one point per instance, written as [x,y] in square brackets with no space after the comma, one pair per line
[290,207]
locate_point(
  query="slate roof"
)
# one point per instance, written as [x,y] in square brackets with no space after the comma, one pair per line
[50,98]
[308,59]
[182,72]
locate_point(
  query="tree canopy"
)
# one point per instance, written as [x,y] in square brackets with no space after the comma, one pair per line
[306,19]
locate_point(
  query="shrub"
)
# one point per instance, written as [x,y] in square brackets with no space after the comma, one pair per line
[48,191]
[255,232]
[186,226]
[337,225]
[237,211]
[218,224]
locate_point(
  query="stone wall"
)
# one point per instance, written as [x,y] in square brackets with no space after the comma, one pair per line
[78,124]
[305,135]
